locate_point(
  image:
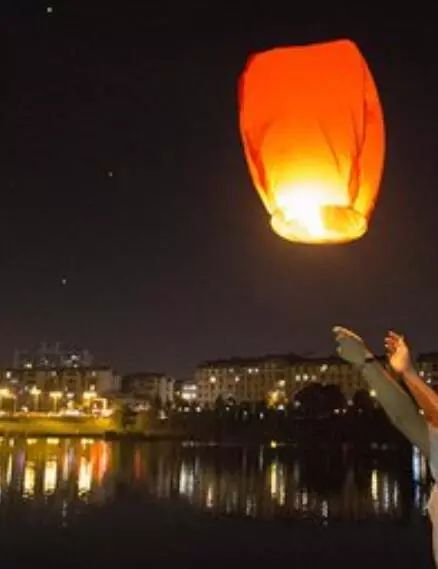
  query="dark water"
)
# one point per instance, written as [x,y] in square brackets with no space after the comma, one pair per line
[122,502]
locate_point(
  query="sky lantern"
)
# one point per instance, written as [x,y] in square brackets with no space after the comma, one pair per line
[313,135]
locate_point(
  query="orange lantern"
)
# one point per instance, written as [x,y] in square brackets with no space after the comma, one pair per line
[313,135]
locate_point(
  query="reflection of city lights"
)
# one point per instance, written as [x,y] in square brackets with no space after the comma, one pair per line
[274,480]
[186,480]
[255,483]
[385,484]
[417,497]
[84,478]
[277,483]
[261,458]
[375,489]
[209,502]
[281,494]
[66,466]
[137,464]
[250,506]
[296,472]
[395,495]
[102,460]
[416,464]
[419,466]
[64,512]
[50,476]
[9,471]
[29,480]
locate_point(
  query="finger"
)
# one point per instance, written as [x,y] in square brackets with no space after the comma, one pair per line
[394,335]
[342,330]
[337,330]
[393,340]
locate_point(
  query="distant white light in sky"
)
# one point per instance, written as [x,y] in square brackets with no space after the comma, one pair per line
[64,281]
[49,9]
[110,173]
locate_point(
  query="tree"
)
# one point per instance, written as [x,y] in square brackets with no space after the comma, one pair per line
[318,401]
[333,398]
[219,405]
[311,401]
[363,402]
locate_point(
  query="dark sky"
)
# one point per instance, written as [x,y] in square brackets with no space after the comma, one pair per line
[171,260]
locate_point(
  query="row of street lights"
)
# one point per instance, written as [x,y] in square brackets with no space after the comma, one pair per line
[35,392]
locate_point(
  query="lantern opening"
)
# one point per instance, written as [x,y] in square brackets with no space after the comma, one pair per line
[326,224]
[316,213]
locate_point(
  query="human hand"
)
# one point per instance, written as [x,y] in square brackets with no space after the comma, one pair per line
[351,347]
[398,352]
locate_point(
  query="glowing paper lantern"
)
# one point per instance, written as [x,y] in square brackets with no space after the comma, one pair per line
[313,134]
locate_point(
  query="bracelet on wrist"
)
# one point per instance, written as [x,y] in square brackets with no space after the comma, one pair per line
[367,360]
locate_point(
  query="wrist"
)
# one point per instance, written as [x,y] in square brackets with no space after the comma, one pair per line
[369,358]
[409,372]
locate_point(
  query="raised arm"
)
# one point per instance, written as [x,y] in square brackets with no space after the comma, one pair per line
[401,361]
[397,404]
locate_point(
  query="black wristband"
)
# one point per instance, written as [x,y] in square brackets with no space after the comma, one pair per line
[367,360]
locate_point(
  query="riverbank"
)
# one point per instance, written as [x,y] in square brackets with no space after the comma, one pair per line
[210,427]
[56,426]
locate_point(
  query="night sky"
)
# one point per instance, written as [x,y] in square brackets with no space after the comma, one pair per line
[122,172]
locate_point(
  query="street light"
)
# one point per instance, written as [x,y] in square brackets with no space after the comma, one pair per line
[56,396]
[6,393]
[35,392]
[88,397]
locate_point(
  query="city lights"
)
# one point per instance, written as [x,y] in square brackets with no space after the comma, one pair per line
[55,396]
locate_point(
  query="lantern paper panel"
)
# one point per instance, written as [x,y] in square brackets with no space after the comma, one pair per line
[313,134]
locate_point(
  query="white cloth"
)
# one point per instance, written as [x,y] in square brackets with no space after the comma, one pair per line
[432,506]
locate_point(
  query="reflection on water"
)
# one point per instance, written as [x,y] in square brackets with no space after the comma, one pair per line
[65,476]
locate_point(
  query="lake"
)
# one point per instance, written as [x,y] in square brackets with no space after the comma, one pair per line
[92,503]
